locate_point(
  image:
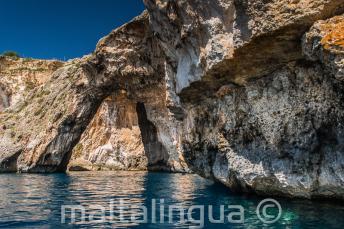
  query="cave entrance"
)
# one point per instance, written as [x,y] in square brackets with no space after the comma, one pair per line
[155,151]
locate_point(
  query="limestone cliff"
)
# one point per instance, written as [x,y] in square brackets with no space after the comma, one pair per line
[19,76]
[245,92]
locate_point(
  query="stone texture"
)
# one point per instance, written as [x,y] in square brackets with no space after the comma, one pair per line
[53,116]
[216,42]
[281,134]
[49,124]
[133,58]
[19,76]
[245,92]
[112,140]
[325,43]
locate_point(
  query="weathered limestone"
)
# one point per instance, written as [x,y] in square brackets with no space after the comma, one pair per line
[112,140]
[281,134]
[46,126]
[244,92]
[19,76]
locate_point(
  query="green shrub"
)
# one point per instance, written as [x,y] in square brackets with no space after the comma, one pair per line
[12,54]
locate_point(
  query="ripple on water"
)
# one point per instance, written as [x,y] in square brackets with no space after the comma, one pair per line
[34,201]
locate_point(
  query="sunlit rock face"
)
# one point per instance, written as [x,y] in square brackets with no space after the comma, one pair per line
[97,111]
[37,129]
[112,140]
[19,76]
[137,133]
[120,137]
[247,93]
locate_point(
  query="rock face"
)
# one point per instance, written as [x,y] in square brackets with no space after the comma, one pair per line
[112,140]
[281,134]
[120,137]
[18,77]
[247,93]
[84,96]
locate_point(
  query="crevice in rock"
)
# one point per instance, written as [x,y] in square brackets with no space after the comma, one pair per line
[8,162]
[327,138]
[79,126]
[5,98]
[155,151]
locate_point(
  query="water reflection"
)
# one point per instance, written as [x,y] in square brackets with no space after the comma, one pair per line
[34,201]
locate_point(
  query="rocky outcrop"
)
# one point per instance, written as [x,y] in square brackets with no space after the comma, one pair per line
[49,124]
[281,134]
[19,76]
[112,139]
[261,114]
[41,122]
[215,43]
[120,137]
[247,93]
[135,129]
[324,43]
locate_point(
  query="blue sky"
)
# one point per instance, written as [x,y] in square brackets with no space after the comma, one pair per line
[61,29]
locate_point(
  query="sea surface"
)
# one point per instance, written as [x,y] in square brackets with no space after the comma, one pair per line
[144,200]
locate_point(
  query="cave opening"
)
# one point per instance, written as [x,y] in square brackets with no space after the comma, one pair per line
[155,151]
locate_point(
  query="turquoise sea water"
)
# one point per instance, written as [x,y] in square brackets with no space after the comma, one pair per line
[119,199]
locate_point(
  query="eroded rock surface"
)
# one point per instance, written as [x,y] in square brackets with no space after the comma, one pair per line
[248,93]
[19,76]
[49,124]
[112,140]
[281,134]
